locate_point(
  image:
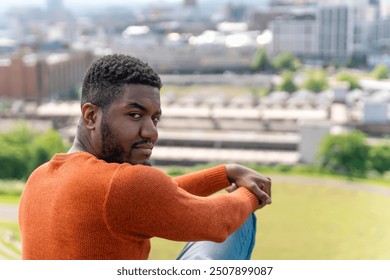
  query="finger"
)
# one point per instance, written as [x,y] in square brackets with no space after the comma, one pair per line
[231,188]
[263,202]
[261,195]
[267,189]
[264,198]
[265,185]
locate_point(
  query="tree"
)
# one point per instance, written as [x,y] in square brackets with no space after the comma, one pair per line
[44,146]
[286,61]
[287,83]
[380,72]
[260,61]
[380,158]
[346,153]
[23,150]
[316,81]
[14,152]
[349,78]
[13,161]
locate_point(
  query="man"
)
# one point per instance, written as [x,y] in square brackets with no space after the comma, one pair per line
[103,200]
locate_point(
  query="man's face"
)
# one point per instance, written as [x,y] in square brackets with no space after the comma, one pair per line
[129,126]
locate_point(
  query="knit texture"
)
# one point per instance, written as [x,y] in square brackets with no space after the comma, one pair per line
[79,207]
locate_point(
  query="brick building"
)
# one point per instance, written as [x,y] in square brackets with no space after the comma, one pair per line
[41,77]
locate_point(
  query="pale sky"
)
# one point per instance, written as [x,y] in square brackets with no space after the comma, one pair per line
[79,5]
[71,4]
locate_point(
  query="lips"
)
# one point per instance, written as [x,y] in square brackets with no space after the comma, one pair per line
[143,150]
[146,146]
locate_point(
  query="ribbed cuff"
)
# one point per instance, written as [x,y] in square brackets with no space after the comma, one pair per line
[217,175]
[253,200]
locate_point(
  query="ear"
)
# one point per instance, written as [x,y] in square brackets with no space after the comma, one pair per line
[89,115]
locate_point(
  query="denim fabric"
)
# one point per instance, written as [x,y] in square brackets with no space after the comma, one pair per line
[238,246]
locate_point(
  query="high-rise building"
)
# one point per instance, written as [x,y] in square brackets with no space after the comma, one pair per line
[334,32]
[338,31]
[189,3]
[294,35]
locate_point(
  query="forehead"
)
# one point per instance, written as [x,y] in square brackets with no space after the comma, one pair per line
[147,96]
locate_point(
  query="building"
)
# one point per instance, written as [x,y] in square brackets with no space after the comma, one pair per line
[41,77]
[295,35]
[335,30]
[379,36]
[330,32]
[18,78]
[189,3]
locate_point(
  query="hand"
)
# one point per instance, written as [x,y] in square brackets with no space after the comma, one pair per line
[241,176]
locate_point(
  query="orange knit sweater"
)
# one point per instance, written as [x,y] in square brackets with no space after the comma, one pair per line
[79,207]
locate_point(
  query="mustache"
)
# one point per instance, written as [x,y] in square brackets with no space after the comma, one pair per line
[142,142]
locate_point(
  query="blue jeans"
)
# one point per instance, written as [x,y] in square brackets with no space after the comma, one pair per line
[238,246]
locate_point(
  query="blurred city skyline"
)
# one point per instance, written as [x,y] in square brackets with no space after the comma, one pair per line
[81,6]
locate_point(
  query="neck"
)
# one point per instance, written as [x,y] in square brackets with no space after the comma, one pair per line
[77,146]
[82,142]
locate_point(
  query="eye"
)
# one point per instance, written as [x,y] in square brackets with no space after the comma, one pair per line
[136,116]
[157,118]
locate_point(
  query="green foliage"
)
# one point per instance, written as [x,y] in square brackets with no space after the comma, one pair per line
[349,78]
[380,158]
[380,72]
[316,81]
[259,92]
[286,61]
[260,61]
[14,152]
[346,153]
[44,146]
[287,83]
[22,150]
[175,171]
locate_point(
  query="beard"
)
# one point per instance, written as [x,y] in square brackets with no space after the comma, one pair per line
[112,150]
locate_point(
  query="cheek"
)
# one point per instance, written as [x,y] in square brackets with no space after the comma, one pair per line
[127,135]
[96,137]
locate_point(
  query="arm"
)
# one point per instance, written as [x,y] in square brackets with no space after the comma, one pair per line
[204,182]
[153,205]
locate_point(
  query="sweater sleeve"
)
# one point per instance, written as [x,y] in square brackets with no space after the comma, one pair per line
[204,182]
[144,202]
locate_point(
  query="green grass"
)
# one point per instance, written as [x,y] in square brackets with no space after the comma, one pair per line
[9,240]
[10,191]
[314,222]
[11,187]
[9,199]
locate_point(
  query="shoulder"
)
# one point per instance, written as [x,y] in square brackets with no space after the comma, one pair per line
[140,174]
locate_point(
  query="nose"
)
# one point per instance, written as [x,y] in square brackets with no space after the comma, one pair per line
[149,130]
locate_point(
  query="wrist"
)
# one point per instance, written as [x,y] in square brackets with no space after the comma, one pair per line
[232,172]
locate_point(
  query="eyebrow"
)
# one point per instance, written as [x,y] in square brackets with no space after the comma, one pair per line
[139,106]
[136,105]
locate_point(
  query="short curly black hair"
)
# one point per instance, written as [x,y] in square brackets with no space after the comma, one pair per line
[105,78]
